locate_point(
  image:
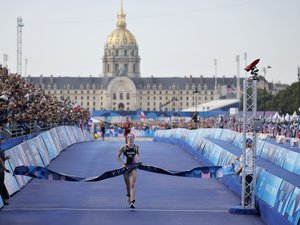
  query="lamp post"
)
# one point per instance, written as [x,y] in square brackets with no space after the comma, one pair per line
[196,103]
[265,74]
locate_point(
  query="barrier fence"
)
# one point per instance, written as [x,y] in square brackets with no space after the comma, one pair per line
[276,195]
[39,151]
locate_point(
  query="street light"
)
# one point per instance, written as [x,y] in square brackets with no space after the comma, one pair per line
[265,74]
[195,117]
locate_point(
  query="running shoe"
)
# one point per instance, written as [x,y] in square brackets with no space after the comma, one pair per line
[132,206]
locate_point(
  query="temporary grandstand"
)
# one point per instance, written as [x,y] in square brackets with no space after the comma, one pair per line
[216,105]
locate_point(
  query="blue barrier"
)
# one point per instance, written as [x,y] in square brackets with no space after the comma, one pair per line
[39,151]
[278,200]
[119,132]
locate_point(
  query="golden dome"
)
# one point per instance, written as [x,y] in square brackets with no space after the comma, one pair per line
[121,36]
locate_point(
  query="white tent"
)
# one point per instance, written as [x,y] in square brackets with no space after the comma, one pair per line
[276,118]
[294,116]
[287,118]
[95,120]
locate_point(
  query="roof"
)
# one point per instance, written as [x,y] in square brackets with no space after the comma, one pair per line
[214,105]
[181,83]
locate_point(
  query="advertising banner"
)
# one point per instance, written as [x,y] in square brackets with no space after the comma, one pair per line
[32,154]
[271,187]
[18,158]
[63,137]
[296,168]
[50,145]
[228,136]
[37,144]
[10,181]
[56,140]
[292,212]
[268,152]
[71,134]
[290,160]
[283,196]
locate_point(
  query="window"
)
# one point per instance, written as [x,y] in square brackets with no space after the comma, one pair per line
[75,92]
[87,97]
[88,103]
[94,103]
[126,68]
[81,92]
[121,96]
[127,96]
[134,68]
[117,52]
[114,96]
[116,68]
[107,68]
[81,97]
[125,52]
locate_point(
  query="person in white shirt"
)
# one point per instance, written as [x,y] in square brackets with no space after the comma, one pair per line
[248,167]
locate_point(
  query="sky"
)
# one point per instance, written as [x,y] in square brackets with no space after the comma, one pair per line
[175,37]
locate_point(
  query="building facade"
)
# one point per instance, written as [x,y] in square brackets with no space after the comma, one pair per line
[121,86]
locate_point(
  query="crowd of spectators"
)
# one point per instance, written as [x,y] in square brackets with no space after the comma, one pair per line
[22,102]
[285,128]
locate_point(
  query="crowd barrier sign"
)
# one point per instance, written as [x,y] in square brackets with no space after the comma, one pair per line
[278,194]
[39,151]
[10,181]
[50,145]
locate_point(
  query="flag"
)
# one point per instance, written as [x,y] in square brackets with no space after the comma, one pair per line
[143,116]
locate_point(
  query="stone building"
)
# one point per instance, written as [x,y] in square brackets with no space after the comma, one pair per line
[121,86]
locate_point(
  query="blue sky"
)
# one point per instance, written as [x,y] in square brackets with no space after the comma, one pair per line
[175,37]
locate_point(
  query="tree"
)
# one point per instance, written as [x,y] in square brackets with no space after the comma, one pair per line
[286,101]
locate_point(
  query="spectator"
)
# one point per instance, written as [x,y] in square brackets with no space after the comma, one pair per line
[3,191]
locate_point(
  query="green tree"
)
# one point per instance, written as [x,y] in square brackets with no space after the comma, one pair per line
[286,101]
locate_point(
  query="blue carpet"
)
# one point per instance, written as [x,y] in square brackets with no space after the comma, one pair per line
[160,199]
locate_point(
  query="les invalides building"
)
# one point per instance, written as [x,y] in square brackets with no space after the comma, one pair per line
[121,86]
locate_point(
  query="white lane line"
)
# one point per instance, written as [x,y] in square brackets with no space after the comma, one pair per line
[116,210]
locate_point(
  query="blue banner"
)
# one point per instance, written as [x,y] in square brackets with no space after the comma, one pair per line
[43,173]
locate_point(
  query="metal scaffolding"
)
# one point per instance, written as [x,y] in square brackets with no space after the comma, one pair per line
[249,153]
[19,45]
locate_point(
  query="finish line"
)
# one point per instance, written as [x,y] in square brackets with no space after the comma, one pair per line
[117,210]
